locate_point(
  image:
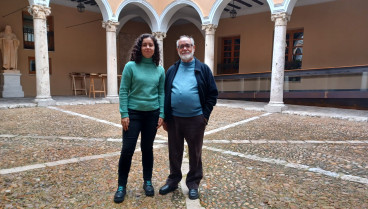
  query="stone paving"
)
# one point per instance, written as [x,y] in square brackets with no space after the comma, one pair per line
[66,156]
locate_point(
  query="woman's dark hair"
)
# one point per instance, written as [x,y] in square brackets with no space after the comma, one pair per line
[136,54]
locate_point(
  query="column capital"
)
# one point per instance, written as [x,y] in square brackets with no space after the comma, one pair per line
[110,25]
[39,12]
[159,35]
[280,18]
[209,28]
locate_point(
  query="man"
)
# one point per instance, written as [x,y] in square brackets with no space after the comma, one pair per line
[190,94]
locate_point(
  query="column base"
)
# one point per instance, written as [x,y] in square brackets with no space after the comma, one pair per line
[273,107]
[112,99]
[44,102]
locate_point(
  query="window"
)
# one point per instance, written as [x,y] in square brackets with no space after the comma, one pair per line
[28,32]
[229,56]
[294,49]
[32,65]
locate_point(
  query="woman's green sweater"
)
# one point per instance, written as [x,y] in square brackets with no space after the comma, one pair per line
[142,87]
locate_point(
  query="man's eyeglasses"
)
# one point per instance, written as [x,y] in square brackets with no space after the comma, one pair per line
[185,45]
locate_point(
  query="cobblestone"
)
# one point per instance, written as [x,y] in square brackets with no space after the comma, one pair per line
[273,161]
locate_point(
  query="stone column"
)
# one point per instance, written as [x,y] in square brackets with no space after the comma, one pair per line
[112,79]
[160,39]
[276,103]
[210,45]
[39,14]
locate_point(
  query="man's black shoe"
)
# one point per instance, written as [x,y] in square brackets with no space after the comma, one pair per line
[193,194]
[148,188]
[166,189]
[120,194]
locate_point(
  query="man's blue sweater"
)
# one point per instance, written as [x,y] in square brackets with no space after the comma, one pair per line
[184,93]
[207,89]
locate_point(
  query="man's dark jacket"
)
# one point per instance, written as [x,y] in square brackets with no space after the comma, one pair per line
[207,89]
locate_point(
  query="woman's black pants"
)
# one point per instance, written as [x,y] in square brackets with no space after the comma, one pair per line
[144,122]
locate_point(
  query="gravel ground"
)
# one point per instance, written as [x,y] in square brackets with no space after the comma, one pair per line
[293,127]
[110,112]
[32,136]
[87,184]
[25,151]
[232,182]
[48,122]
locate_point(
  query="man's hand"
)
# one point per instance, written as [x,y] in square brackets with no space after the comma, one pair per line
[125,123]
[164,125]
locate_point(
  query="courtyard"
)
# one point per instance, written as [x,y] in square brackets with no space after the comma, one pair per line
[66,156]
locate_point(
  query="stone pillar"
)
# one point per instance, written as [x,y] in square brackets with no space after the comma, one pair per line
[210,45]
[112,79]
[160,39]
[39,14]
[276,103]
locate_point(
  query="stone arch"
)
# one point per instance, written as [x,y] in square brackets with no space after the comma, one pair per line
[147,8]
[196,22]
[290,6]
[103,5]
[215,14]
[216,11]
[286,6]
[106,11]
[171,9]
[128,17]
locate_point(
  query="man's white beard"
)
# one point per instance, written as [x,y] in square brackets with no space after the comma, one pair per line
[186,57]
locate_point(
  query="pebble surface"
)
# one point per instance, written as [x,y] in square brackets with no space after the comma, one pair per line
[37,135]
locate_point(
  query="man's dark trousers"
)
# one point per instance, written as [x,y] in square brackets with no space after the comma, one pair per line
[192,129]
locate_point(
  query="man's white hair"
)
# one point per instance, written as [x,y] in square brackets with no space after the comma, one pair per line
[184,36]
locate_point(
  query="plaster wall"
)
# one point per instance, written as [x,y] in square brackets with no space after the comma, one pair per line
[114,4]
[278,1]
[256,39]
[170,52]
[205,6]
[334,33]
[133,30]
[335,82]
[80,48]
[159,5]
[328,82]
[7,17]
[126,39]
[334,36]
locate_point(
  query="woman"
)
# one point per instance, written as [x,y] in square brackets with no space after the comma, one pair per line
[141,98]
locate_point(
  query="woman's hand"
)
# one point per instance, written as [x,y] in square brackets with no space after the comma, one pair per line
[125,123]
[159,123]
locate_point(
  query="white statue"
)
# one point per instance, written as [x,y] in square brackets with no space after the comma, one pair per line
[9,47]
